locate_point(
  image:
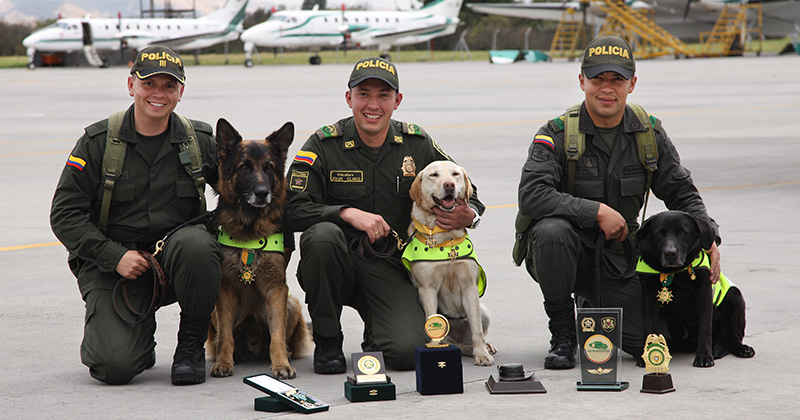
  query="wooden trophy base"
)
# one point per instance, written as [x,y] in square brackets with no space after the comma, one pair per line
[657,383]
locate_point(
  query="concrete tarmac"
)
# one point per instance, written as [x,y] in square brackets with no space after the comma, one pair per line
[734,121]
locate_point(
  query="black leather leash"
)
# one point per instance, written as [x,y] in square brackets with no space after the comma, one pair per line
[159,279]
[360,247]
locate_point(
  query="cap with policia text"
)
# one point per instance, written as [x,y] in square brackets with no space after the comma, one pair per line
[374,68]
[608,53]
[158,60]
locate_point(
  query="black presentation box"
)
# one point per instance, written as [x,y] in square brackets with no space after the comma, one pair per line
[439,370]
[369,392]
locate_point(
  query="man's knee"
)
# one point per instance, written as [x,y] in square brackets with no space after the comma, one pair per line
[321,236]
[400,354]
[116,373]
[552,230]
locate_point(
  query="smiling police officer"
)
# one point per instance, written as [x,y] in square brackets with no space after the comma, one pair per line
[352,179]
[595,184]
[105,213]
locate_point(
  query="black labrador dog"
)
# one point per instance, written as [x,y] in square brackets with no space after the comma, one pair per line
[678,298]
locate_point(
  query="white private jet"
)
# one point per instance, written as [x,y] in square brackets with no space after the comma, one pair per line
[682,18]
[315,29]
[95,36]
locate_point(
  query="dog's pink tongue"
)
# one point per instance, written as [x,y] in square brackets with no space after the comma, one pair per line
[448,203]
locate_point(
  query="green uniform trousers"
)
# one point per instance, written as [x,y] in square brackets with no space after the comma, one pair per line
[562,262]
[380,290]
[116,351]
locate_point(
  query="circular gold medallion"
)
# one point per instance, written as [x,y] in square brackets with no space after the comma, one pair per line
[437,327]
[369,365]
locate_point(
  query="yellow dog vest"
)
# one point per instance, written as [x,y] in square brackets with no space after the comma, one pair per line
[719,289]
[418,251]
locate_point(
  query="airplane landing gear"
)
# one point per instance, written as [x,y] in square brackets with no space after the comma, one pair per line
[31,66]
[248,63]
[315,60]
[386,56]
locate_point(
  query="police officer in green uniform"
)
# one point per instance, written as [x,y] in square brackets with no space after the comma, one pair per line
[153,195]
[610,184]
[351,180]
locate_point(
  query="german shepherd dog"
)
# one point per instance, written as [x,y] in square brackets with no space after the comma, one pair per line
[254,310]
[692,316]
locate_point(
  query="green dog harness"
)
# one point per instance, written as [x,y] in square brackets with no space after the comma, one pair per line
[719,289]
[272,243]
[419,251]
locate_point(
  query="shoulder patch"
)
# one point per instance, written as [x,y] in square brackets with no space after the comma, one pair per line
[329,131]
[307,157]
[76,162]
[99,127]
[557,124]
[440,149]
[412,129]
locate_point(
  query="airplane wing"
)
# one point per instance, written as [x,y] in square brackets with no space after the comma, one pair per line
[386,36]
[537,11]
[141,39]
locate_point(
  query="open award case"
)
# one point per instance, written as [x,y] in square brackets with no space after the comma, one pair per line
[289,395]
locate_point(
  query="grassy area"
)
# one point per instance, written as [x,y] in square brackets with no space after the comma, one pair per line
[771,46]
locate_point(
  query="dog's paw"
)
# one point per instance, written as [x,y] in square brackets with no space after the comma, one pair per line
[744,351]
[703,361]
[221,369]
[483,360]
[283,372]
[640,362]
[491,349]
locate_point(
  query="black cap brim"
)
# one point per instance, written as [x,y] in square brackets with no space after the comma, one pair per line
[593,71]
[144,74]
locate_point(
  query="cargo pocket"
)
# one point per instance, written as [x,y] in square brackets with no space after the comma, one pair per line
[632,185]
[347,192]
[96,348]
[588,188]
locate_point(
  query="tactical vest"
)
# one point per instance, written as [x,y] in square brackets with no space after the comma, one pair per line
[719,289]
[418,251]
[114,159]
[574,146]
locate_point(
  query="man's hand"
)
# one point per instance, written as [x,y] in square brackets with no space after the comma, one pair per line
[612,223]
[713,253]
[371,223]
[132,265]
[460,217]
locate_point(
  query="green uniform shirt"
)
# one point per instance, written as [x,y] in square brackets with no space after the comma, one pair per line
[335,169]
[614,177]
[150,197]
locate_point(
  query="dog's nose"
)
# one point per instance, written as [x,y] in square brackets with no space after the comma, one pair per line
[449,186]
[261,191]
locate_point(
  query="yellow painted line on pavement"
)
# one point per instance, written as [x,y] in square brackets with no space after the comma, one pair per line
[18,247]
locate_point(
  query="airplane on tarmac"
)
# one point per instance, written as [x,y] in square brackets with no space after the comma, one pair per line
[315,29]
[94,36]
[682,18]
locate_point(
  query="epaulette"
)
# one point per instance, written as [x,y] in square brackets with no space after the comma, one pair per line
[413,129]
[202,126]
[328,131]
[99,127]
[557,124]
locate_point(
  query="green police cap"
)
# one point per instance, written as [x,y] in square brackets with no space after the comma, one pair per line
[608,53]
[158,60]
[374,68]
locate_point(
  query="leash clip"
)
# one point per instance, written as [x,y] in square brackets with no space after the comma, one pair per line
[159,247]
[400,243]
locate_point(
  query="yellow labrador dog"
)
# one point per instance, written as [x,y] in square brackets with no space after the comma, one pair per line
[442,262]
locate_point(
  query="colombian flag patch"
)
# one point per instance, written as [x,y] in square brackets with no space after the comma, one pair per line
[542,139]
[76,162]
[306,157]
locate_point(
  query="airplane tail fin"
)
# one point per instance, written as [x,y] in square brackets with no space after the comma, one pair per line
[449,8]
[232,12]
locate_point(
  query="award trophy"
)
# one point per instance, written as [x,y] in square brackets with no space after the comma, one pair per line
[438,364]
[513,380]
[656,359]
[369,381]
[599,339]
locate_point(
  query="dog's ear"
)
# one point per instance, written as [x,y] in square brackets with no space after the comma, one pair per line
[414,192]
[468,184]
[705,231]
[641,236]
[282,138]
[227,137]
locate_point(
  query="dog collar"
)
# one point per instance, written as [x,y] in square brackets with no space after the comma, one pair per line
[425,234]
[700,262]
[272,243]
[718,289]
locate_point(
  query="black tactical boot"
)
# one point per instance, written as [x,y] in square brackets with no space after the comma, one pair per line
[563,340]
[328,356]
[189,362]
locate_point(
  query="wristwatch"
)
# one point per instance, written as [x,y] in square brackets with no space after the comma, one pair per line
[476,220]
